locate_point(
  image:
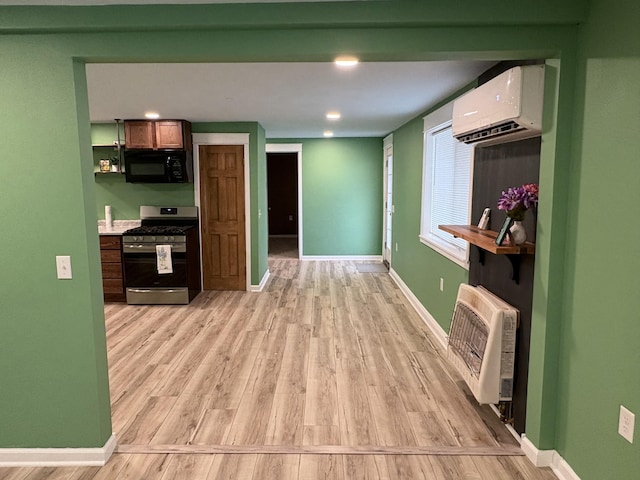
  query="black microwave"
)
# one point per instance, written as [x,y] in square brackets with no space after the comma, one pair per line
[158,166]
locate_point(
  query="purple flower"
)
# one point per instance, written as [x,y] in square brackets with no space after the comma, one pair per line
[517,200]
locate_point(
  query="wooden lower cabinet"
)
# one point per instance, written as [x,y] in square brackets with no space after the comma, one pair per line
[111,258]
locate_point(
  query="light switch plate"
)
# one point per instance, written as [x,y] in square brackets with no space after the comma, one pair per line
[63,267]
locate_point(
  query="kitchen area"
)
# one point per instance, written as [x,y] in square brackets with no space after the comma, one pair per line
[152,258]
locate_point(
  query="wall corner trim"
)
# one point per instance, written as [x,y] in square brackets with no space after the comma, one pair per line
[57,457]
[263,282]
[420,309]
[547,458]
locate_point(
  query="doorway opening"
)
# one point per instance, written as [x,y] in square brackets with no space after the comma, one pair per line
[284,200]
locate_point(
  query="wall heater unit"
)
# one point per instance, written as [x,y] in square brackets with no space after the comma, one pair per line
[482,341]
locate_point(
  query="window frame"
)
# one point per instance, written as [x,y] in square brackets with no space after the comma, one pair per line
[433,123]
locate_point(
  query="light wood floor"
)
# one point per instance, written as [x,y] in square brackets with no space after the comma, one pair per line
[327,374]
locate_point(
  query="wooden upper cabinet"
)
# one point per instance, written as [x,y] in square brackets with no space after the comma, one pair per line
[139,134]
[158,134]
[172,134]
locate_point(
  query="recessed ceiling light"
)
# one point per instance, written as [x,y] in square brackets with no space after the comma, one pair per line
[333,115]
[346,61]
[328,133]
[152,115]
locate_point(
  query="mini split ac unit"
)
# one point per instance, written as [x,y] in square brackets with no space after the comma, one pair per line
[506,108]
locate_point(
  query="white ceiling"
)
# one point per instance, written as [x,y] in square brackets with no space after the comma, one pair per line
[288,99]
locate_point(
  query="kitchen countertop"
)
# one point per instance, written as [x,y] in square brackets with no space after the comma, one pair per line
[119,227]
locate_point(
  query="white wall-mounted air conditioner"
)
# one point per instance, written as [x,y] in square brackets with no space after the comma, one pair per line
[506,108]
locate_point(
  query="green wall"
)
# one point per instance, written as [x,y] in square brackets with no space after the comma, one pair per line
[125,198]
[341,195]
[599,362]
[54,388]
[53,369]
[261,264]
[419,266]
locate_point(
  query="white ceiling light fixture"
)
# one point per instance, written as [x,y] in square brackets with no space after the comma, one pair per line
[152,115]
[333,116]
[346,62]
[328,133]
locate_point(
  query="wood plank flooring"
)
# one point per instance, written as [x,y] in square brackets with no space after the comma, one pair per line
[327,374]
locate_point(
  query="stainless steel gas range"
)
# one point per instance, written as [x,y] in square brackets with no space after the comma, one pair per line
[162,257]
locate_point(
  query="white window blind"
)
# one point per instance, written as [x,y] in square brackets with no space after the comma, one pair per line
[451,171]
[446,187]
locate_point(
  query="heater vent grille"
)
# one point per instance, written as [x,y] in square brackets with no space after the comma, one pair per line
[468,337]
[482,341]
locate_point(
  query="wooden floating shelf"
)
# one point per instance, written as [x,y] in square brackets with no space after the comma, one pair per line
[486,239]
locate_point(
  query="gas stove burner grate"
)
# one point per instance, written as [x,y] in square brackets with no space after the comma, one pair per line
[160,230]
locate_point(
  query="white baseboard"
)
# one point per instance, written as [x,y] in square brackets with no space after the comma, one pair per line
[57,457]
[548,458]
[420,309]
[263,282]
[540,458]
[354,258]
[562,469]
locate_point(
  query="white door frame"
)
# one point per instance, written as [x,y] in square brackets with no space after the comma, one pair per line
[387,151]
[292,148]
[226,139]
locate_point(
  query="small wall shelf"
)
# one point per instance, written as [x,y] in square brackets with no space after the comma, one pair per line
[113,145]
[485,240]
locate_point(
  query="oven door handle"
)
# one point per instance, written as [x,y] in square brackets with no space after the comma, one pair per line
[146,248]
[155,290]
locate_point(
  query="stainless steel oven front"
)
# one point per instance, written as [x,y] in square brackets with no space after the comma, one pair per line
[144,284]
[161,257]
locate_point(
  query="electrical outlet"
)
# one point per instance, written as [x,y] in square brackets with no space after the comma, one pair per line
[63,267]
[396,246]
[441,284]
[626,424]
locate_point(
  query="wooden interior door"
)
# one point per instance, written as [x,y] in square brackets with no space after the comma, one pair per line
[222,217]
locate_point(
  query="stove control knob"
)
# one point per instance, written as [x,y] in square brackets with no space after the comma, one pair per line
[172,239]
[153,238]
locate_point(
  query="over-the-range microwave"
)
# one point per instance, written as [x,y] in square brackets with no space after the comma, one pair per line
[158,166]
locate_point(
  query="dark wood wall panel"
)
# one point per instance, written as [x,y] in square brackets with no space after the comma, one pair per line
[497,168]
